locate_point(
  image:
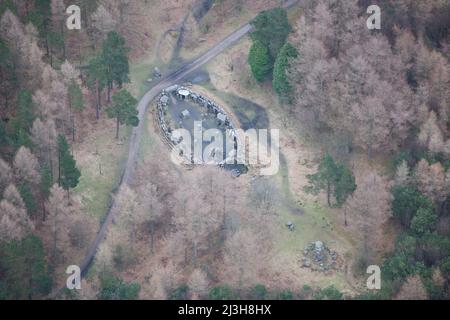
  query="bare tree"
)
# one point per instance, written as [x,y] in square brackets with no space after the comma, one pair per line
[14,221]
[370,209]
[198,215]
[431,181]
[263,195]
[102,22]
[69,72]
[402,174]
[198,283]
[44,136]
[29,64]
[58,219]
[150,209]
[128,216]
[430,135]
[244,254]
[26,166]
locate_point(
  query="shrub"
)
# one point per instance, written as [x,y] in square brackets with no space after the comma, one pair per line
[398,266]
[223,292]
[123,257]
[434,248]
[329,293]
[285,295]
[180,293]
[112,288]
[445,267]
[258,292]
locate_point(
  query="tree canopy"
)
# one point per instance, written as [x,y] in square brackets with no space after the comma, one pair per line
[114,56]
[24,271]
[272,28]
[69,174]
[260,61]
[280,80]
[113,288]
[407,200]
[123,109]
[334,178]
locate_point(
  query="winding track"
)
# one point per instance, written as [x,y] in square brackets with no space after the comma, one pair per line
[143,105]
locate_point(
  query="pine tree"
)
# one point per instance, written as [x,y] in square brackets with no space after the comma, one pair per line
[97,79]
[7,5]
[25,273]
[76,96]
[3,135]
[272,29]
[28,198]
[324,178]
[8,77]
[344,184]
[424,221]
[114,57]
[280,80]
[63,149]
[40,16]
[334,178]
[69,175]
[407,200]
[259,60]
[124,110]
[23,121]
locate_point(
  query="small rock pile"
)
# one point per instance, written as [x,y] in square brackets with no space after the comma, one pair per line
[318,257]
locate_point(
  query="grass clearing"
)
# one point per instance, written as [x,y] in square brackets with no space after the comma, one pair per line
[140,72]
[101,159]
[148,139]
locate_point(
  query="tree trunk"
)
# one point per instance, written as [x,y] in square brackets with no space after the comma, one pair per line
[43,210]
[59,168]
[99,97]
[64,42]
[345,216]
[194,252]
[152,230]
[73,128]
[328,193]
[54,242]
[117,128]
[50,161]
[6,102]
[369,152]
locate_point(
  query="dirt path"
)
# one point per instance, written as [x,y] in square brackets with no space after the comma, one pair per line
[137,132]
